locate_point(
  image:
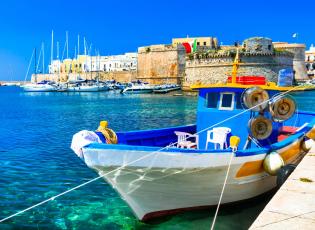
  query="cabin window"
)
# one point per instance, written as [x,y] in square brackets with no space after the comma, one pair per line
[212,100]
[226,101]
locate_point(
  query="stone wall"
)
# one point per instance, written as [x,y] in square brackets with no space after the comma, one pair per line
[299,58]
[123,76]
[158,64]
[216,68]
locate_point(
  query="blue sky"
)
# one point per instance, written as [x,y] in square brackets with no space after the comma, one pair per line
[115,27]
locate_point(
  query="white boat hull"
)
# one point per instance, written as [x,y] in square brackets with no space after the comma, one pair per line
[38,88]
[85,89]
[177,181]
[137,91]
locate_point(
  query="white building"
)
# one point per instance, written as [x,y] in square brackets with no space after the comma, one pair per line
[85,63]
[124,62]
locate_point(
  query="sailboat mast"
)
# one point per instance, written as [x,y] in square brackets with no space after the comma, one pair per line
[35,63]
[67,43]
[52,48]
[43,48]
[78,44]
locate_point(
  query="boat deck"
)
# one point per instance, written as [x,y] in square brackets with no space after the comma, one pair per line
[293,206]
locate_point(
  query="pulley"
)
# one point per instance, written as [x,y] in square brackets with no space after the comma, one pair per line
[260,127]
[255,98]
[282,109]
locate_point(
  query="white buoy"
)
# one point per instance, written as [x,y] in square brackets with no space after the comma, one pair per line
[272,163]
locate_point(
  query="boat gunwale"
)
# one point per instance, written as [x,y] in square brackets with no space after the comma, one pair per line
[240,153]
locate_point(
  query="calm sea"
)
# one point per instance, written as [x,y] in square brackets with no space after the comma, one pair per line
[37,163]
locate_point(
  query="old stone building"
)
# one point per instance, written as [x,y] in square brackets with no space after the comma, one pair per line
[299,58]
[202,42]
[258,57]
[310,61]
[158,64]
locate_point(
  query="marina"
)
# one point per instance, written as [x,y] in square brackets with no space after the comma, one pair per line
[165,115]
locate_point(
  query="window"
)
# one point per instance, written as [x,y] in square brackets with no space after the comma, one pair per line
[269,47]
[198,43]
[212,100]
[226,101]
[204,43]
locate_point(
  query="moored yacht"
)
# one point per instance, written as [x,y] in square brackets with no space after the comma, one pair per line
[43,86]
[136,87]
[86,86]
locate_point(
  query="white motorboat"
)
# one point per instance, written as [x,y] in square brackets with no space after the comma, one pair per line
[136,87]
[86,86]
[166,88]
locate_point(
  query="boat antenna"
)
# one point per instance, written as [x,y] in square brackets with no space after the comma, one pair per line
[236,64]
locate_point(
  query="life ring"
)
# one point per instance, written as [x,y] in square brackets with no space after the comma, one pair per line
[282,109]
[109,134]
[260,127]
[255,98]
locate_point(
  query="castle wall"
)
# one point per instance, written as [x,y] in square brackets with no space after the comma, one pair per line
[158,64]
[217,68]
[299,58]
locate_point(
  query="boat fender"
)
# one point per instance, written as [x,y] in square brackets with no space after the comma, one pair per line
[306,144]
[260,127]
[109,134]
[255,98]
[282,109]
[234,142]
[284,173]
[273,162]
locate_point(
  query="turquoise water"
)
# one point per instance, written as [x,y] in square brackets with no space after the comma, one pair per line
[37,163]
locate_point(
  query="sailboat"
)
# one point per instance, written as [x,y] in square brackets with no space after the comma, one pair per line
[43,86]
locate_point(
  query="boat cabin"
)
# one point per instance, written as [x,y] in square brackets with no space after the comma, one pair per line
[224,107]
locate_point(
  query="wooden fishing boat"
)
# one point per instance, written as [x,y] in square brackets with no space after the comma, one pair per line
[164,171]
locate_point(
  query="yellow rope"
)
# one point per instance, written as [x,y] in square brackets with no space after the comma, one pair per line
[109,134]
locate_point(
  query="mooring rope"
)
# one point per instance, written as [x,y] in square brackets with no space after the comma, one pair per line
[223,188]
[141,158]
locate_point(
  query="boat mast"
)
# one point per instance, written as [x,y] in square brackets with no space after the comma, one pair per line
[35,66]
[67,43]
[29,66]
[58,61]
[78,44]
[236,64]
[43,48]
[52,48]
